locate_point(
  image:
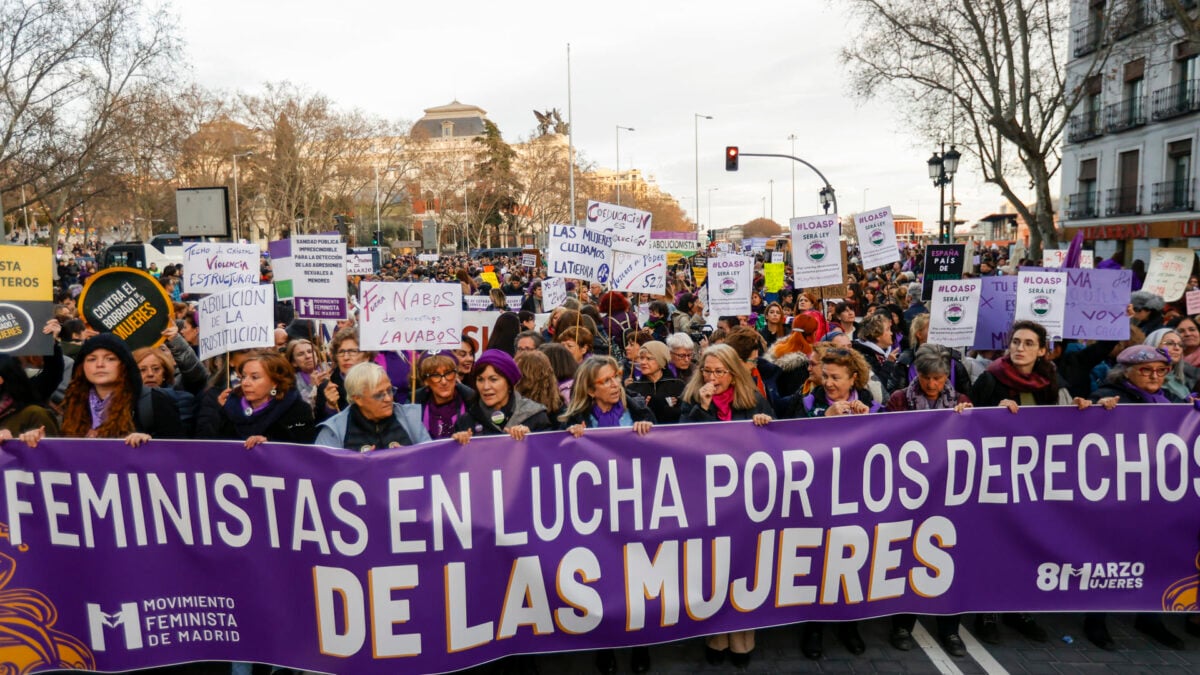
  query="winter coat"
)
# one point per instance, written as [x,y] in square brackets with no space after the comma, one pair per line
[636,410]
[693,412]
[332,433]
[664,397]
[817,403]
[285,420]
[518,411]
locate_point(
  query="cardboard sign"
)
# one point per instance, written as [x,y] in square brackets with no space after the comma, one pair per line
[635,273]
[579,253]
[236,318]
[1054,257]
[730,280]
[362,261]
[629,229]
[773,274]
[128,303]
[209,267]
[1096,303]
[554,292]
[1193,302]
[477,303]
[942,262]
[815,245]
[529,260]
[777,256]
[876,238]
[490,277]
[402,316]
[1042,297]
[954,312]
[27,288]
[1168,272]
[997,307]
[319,282]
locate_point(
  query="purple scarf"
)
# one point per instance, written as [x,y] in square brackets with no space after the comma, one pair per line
[99,408]
[612,418]
[1156,397]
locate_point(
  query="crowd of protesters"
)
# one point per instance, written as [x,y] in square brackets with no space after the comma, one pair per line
[603,359]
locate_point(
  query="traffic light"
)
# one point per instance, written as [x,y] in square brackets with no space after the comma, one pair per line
[375,237]
[731,158]
[712,236]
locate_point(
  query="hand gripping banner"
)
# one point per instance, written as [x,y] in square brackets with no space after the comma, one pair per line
[437,557]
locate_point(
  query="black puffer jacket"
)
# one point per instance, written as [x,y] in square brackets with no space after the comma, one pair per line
[285,420]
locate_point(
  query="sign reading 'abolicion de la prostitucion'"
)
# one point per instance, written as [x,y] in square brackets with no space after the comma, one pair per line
[439,557]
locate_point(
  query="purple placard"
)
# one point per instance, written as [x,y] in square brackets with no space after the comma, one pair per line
[280,248]
[320,308]
[439,557]
[997,307]
[1096,303]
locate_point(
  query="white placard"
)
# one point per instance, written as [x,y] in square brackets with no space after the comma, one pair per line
[816,251]
[1054,257]
[359,263]
[554,292]
[478,303]
[730,279]
[1168,272]
[876,238]
[236,318]
[629,228]
[777,256]
[1193,302]
[529,260]
[954,312]
[579,253]
[398,316]
[427,257]
[477,326]
[1042,297]
[634,273]
[674,244]
[209,267]
[319,284]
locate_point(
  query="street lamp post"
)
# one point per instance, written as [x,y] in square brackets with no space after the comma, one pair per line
[237,215]
[710,220]
[826,195]
[942,168]
[696,124]
[792,138]
[619,128]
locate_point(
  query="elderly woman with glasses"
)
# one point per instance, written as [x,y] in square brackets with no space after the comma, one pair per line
[373,420]
[442,398]
[332,398]
[1181,381]
[683,353]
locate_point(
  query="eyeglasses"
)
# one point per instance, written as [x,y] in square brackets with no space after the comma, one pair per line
[1170,343]
[442,377]
[384,395]
[715,372]
[348,352]
[682,355]
[1152,372]
[752,361]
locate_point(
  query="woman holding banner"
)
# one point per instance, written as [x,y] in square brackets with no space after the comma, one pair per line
[442,398]
[499,409]
[105,399]
[264,406]
[373,420]
[663,393]
[721,390]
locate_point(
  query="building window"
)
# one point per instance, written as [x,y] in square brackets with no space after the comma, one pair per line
[1177,192]
[1183,96]
[1083,204]
[447,129]
[1124,199]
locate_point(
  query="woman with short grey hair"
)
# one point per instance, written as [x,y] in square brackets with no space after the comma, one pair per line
[373,420]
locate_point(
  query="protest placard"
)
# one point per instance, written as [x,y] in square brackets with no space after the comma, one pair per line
[997,307]
[1193,303]
[815,259]
[209,267]
[674,244]
[554,292]
[529,260]
[477,326]
[27,288]
[730,279]
[579,253]
[362,261]
[489,275]
[1168,272]
[319,282]
[628,229]
[282,271]
[1096,302]
[398,316]
[477,303]
[1042,297]
[876,237]
[954,312]
[778,256]
[773,273]
[1054,257]
[236,318]
[128,303]
[637,273]
[942,262]
[427,257]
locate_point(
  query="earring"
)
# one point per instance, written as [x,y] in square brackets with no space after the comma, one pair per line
[274,391]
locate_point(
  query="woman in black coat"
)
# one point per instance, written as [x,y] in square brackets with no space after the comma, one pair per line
[265,406]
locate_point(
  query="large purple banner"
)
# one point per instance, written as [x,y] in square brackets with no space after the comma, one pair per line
[438,557]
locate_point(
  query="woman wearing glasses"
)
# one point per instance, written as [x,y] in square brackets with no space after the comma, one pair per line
[372,420]
[331,398]
[1181,380]
[721,391]
[442,398]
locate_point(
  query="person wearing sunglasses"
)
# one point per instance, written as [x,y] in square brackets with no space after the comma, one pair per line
[373,420]
[442,397]
[1139,377]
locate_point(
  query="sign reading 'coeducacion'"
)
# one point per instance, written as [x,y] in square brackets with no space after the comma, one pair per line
[439,557]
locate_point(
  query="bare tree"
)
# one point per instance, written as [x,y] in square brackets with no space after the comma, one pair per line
[67,68]
[994,69]
[1186,18]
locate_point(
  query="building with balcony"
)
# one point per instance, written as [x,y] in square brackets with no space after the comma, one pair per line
[1128,171]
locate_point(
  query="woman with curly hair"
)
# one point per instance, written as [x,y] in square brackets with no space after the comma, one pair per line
[105,399]
[264,406]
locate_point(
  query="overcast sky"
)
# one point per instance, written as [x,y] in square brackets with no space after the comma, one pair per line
[763,70]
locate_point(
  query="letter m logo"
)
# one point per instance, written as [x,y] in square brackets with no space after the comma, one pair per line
[127,618]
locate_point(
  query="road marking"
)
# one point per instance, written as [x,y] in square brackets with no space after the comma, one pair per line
[941,660]
[981,655]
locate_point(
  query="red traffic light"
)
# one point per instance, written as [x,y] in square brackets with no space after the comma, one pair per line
[731,158]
